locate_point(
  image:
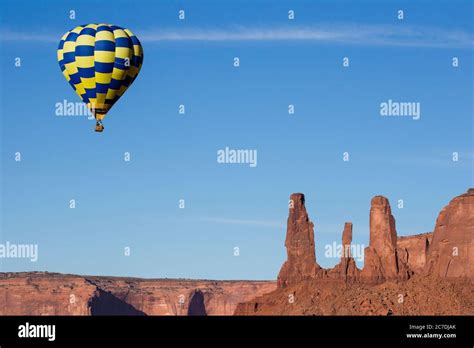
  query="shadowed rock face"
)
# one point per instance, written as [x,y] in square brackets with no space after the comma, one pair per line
[104,303]
[196,304]
[451,253]
[301,262]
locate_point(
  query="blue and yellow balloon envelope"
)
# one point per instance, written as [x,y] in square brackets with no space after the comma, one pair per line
[100,61]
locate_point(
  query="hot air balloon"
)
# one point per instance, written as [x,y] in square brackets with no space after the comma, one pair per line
[100,61]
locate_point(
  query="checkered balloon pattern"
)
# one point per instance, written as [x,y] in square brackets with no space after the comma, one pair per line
[100,61]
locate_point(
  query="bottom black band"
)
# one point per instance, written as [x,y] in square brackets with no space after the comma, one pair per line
[103,330]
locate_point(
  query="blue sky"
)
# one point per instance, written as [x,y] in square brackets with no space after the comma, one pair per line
[173,156]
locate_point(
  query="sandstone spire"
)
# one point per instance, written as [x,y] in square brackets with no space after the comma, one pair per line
[301,262]
[346,269]
[347,240]
[381,261]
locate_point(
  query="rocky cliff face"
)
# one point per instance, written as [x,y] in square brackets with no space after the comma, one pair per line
[413,250]
[58,294]
[451,253]
[66,295]
[182,297]
[301,262]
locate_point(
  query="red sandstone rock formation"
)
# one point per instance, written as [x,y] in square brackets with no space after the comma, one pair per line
[346,269]
[174,297]
[347,240]
[447,289]
[381,261]
[413,250]
[59,294]
[301,262]
[451,253]
[46,295]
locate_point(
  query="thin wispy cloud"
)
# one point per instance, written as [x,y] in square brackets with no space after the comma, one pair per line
[260,223]
[9,35]
[352,34]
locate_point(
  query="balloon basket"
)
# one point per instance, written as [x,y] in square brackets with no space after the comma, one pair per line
[99,128]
